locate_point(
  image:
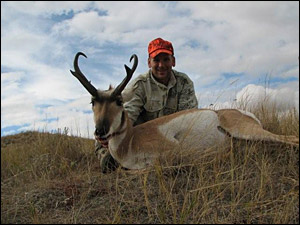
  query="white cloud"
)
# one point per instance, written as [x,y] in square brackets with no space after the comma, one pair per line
[45,8]
[243,36]
[283,98]
[17,110]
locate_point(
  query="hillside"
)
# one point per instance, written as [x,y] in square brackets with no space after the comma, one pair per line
[55,178]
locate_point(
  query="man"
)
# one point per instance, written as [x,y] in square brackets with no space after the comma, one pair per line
[159,92]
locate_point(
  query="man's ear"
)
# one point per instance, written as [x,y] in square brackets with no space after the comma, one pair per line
[149,63]
[174,61]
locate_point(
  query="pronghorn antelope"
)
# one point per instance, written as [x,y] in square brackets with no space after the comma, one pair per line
[137,147]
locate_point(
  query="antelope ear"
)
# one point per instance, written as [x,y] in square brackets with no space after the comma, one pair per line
[110,87]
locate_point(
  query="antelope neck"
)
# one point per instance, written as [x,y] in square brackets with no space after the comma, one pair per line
[116,133]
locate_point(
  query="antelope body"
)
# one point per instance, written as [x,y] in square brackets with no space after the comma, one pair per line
[139,146]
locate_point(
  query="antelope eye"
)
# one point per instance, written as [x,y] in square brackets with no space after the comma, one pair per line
[92,102]
[119,101]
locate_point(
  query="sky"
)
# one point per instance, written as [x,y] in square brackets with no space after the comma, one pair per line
[232,51]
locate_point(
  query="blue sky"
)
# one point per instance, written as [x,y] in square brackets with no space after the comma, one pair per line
[229,49]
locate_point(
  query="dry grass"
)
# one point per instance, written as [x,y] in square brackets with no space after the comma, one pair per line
[55,178]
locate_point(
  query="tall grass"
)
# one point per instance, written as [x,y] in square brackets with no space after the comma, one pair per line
[55,178]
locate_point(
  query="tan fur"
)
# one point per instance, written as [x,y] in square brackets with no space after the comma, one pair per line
[140,142]
[242,126]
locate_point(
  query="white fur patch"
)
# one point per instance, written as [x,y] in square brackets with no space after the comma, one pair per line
[116,123]
[198,129]
[115,141]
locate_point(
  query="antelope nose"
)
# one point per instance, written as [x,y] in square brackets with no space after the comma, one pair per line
[100,132]
[102,129]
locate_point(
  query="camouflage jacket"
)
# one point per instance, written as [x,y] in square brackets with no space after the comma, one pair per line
[151,99]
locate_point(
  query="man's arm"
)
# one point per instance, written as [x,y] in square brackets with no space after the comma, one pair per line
[187,96]
[134,105]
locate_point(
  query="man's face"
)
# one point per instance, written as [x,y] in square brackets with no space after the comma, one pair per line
[161,66]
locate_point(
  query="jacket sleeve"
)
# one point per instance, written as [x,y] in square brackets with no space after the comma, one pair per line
[187,97]
[134,105]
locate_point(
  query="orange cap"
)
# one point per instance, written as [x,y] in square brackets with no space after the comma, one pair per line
[159,45]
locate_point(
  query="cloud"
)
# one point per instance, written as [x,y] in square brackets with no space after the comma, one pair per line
[242,37]
[38,8]
[283,98]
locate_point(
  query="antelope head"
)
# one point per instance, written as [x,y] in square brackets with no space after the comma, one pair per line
[109,114]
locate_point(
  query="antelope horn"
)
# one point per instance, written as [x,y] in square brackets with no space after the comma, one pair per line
[129,73]
[80,76]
